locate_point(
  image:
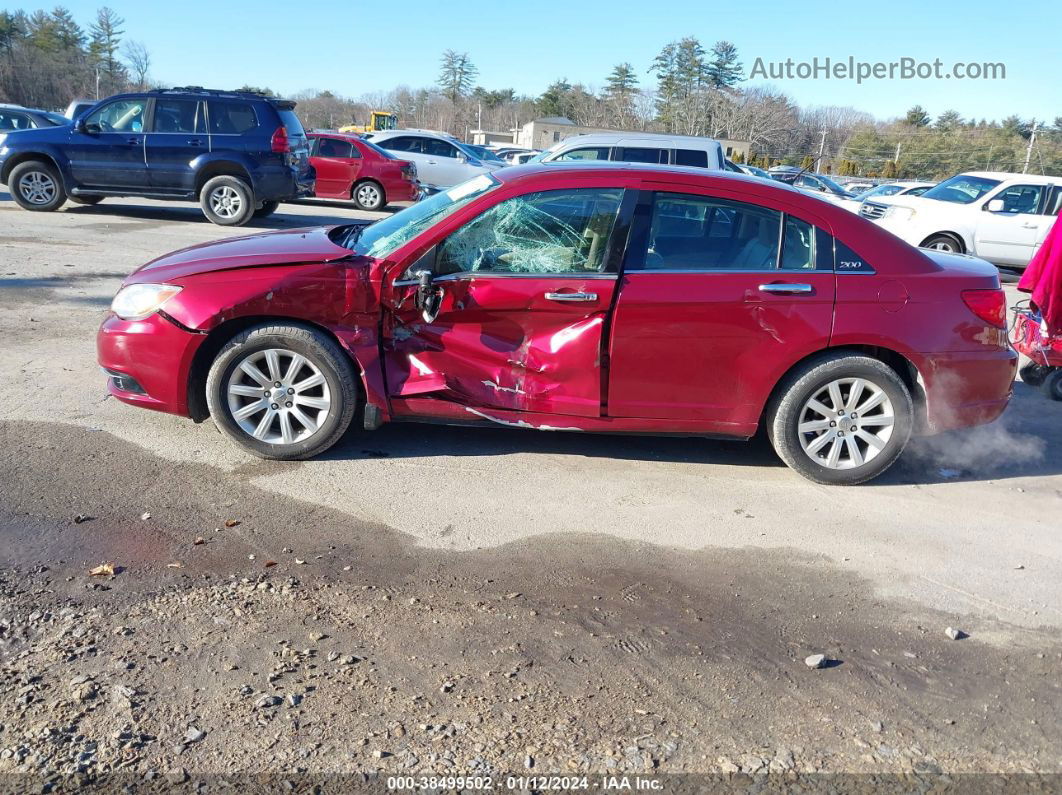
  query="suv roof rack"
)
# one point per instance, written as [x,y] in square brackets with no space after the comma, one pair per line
[218,91]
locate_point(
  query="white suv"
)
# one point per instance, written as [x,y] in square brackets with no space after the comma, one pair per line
[635,147]
[442,160]
[994,215]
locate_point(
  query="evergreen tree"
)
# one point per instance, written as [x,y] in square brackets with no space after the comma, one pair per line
[106,36]
[556,99]
[622,82]
[456,75]
[917,117]
[723,69]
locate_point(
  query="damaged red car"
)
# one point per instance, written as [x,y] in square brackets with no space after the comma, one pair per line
[601,298]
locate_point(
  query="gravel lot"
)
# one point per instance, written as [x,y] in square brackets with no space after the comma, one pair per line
[455,601]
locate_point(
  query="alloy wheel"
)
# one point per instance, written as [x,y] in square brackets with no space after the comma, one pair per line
[278,396]
[368,196]
[37,187]
[846,423]
[226,201]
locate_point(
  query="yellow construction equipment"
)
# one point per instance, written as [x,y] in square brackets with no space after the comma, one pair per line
[378,120]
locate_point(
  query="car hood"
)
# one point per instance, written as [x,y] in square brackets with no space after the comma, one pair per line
[289,247]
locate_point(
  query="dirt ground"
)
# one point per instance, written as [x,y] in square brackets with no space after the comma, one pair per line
[428,600]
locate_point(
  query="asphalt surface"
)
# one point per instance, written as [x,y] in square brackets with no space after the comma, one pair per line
[962,532]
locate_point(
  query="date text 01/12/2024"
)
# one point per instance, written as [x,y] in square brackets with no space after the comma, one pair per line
[525,783]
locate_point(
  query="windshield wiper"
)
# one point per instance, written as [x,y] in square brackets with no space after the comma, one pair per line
[353,234]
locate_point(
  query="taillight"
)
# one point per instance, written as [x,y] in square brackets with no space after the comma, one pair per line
[989,305]
[279,143]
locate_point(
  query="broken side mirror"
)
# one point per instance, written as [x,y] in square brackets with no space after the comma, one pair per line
[429,297]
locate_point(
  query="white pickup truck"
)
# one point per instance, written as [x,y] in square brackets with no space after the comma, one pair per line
[997,216]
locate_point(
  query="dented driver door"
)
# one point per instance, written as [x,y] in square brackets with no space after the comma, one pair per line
[524,291]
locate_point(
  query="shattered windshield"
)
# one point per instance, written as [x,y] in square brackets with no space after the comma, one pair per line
[561,231]
[381,238]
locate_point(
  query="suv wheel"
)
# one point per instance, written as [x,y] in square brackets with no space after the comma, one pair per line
[285,392]
[943,243]
[36,185]
[841,419]
[227,201]
[368,195]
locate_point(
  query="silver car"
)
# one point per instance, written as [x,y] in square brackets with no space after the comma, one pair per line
[442,160]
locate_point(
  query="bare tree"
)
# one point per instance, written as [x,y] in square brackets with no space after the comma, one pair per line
[138,59]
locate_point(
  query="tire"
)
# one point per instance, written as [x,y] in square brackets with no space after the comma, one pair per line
[817,380]
[1052,384]
[368,195]
[267,209]
[35,185]
[334,400]
[86,200]
[1033,374]
[227,201]
[943,243]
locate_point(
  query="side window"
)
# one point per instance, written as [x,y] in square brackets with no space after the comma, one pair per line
[1055,202]
[586,153]
[331,147]
[633,154]
[231,117]
[562,231]
[810,183]
[1020,199]
[178,116]
[699,233]
[798,245]
[436,148]
[125,115]
[14,121]
[691,157]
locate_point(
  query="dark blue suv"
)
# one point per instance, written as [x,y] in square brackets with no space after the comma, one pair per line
[239,154]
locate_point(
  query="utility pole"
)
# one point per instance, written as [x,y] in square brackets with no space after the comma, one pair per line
[822,146]
[97,82]
[1028,151]
[896,159]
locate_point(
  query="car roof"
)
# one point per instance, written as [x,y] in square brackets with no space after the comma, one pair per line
[1036,179]
[425,133]
[688,174]
[663,139]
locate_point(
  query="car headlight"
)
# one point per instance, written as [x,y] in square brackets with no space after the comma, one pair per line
[138,301]
[899,213]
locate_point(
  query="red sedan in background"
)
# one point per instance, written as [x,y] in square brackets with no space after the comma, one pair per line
[598,297]
[349,167]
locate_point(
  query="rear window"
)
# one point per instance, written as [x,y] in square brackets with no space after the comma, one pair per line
[232,117]
[290,121]
[691,157]
[378,149]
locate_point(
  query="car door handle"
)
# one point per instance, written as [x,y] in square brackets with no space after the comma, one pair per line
[573,297]
[195,142]
[787,289]
[432,163]
[1028,225]
[132,141]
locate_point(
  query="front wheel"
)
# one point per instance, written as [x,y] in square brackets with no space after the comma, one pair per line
[36,186]
[227,201]
[841,420]
[284,392]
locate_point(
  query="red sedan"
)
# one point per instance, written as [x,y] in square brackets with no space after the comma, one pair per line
[349,167]
[595,297]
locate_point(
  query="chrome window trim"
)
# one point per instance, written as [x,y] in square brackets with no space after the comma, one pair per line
[453,277]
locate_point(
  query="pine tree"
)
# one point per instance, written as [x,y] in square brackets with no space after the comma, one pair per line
[456,75]
[723,69]
[622,82]
[917,117]
[106,36]
[807,162]
[889,170]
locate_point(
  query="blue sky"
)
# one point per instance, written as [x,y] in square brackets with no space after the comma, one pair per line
[353,48]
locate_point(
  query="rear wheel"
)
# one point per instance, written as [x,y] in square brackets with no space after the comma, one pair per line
[1033,374]
[368,195]
[943,243]
[1052,384]
[841,419]
[227,201]
[36,186]
[285,392]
